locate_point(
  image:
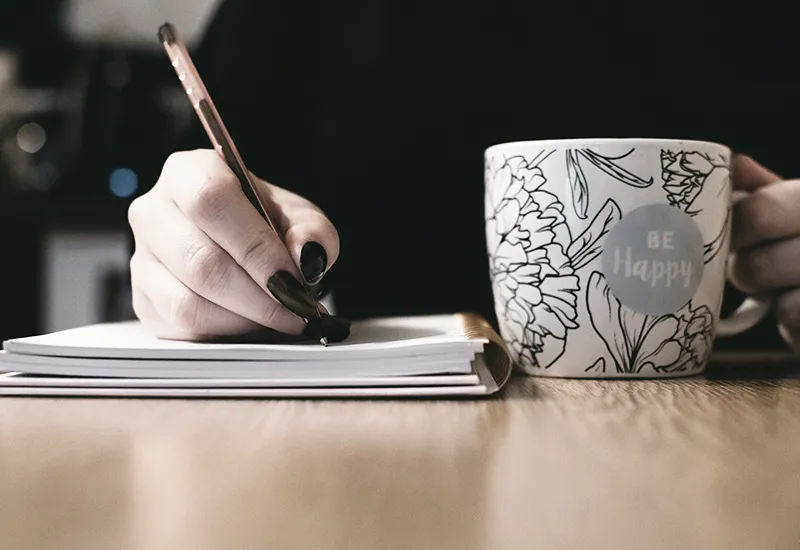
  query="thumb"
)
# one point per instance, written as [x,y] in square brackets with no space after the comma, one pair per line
[311,238]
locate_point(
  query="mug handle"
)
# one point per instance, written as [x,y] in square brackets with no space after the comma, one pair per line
[746,316]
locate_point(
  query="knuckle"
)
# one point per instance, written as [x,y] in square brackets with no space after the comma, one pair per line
[174,167]
[136,212]
[207,265]
[259,249]
[209,199]
[170,170]
[174,159]
[175,162]
[185,311]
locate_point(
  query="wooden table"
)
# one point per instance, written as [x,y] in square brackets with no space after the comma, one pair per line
[711,462]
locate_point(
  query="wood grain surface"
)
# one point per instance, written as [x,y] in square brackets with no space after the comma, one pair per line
[711,462]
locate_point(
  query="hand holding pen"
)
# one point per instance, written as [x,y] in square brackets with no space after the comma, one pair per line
[220,252]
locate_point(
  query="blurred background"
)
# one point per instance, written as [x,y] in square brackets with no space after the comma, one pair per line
[88,108]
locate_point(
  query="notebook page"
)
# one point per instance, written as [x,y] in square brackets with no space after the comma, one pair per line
[485,385]
[455,363]
[374,338]
[32,380]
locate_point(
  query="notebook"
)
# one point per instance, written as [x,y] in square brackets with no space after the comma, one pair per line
[453,354]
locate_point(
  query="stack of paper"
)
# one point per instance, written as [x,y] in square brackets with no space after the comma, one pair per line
[427,355]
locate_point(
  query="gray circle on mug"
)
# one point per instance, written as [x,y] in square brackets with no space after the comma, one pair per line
[653,259]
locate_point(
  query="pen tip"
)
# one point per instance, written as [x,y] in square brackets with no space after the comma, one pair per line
[166,33]
[323,341]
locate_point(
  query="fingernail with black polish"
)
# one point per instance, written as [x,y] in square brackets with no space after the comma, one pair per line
[335,329]
[313,261]
[289,292]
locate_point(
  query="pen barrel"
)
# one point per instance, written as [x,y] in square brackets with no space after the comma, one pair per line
[259,196]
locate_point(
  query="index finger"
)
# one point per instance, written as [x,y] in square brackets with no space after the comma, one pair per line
[767,214]
[212,199]
[749,175]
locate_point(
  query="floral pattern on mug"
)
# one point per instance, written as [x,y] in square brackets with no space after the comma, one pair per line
[698,183]
[533,259]
[639,343]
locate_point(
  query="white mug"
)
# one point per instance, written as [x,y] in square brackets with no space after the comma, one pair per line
[608,257]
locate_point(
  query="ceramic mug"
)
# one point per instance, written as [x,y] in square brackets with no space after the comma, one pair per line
[608,257]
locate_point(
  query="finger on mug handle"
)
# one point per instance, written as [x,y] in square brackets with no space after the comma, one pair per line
[749,175]
[752,310]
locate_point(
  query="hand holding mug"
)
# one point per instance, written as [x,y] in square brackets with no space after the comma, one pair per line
[766,241]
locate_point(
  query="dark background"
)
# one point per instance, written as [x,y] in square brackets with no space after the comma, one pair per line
[110,111]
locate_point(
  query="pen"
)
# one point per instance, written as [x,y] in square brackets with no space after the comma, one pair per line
[217,133]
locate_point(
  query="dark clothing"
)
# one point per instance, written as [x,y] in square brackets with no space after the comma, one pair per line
[379,111]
